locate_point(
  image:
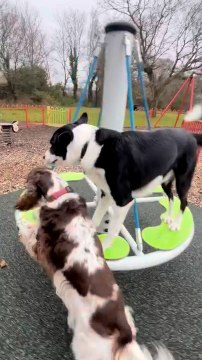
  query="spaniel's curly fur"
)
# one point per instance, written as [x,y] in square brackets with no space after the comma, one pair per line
[68,248]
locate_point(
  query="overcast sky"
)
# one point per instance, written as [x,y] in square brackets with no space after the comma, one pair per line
[48,9]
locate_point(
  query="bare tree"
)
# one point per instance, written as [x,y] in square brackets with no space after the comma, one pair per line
[94,33]
[61,47]
[69,45]
[10,44]
[75,28]
[36,49]
[21,42]
[170,34]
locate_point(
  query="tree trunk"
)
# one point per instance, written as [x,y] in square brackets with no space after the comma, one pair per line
[11,90]
[90,89]
[75,89]
[154,105]
[96,95]
[64,86]
[152,80]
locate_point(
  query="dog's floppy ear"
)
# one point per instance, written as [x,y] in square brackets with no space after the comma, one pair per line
[30,197]
[38,182]
[82,120]
[65,137]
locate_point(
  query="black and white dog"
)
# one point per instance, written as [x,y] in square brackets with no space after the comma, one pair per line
[128,165]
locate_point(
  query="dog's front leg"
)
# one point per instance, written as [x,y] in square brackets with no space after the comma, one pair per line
[117,219]
[103,205]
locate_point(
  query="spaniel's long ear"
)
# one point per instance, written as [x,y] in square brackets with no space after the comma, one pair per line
[30,198]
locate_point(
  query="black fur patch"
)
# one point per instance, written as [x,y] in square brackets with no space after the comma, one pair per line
[83,151]
[63,136]
[134,158]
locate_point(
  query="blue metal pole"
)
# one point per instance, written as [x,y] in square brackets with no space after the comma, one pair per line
[130,93]
[85,89]
[132,123]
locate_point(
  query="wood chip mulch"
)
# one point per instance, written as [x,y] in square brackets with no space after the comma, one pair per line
[27,150]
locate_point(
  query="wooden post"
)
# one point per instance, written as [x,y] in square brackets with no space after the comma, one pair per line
[48,114]
[70,115]
[67,115]
[26,118]
[43,116]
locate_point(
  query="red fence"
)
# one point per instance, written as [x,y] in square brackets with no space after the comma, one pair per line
[28,115]
[36,115]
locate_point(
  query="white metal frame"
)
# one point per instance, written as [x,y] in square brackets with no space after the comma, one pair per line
[140,260]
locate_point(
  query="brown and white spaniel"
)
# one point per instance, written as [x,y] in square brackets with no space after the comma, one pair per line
[69,250]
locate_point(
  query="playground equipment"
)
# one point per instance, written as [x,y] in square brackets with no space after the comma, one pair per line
[5,132]
[121,38]
[187,89]
[119,42]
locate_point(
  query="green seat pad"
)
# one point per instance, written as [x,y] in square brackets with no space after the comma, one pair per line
[118,250]
[161,237]
[158,189]
[71,176]
[30,216]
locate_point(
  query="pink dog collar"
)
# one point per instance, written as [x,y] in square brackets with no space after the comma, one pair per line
[59,193]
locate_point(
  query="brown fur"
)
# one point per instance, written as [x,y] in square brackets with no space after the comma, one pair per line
[54,246]
[110,319]
[38,183]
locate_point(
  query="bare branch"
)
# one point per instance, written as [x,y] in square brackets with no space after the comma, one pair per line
[69,44]
[170,32]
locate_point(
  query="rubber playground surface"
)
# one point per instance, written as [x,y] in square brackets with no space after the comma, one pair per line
[167,300]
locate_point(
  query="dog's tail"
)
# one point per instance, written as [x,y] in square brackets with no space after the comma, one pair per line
[133,351]
[194,114]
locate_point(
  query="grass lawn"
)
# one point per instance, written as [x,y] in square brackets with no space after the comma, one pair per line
[59,116]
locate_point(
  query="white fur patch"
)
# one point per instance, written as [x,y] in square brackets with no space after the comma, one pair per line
[133,351]
[58,202]
[50,158]
[81,231]
[91,155]
[85,340]
[149,188]
[168,177]
[175,224]
[97,176]
[28,238]
[82,134]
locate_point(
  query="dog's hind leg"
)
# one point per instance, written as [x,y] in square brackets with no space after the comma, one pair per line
[116,221]
[183,183]
[167,188]
[102,207]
